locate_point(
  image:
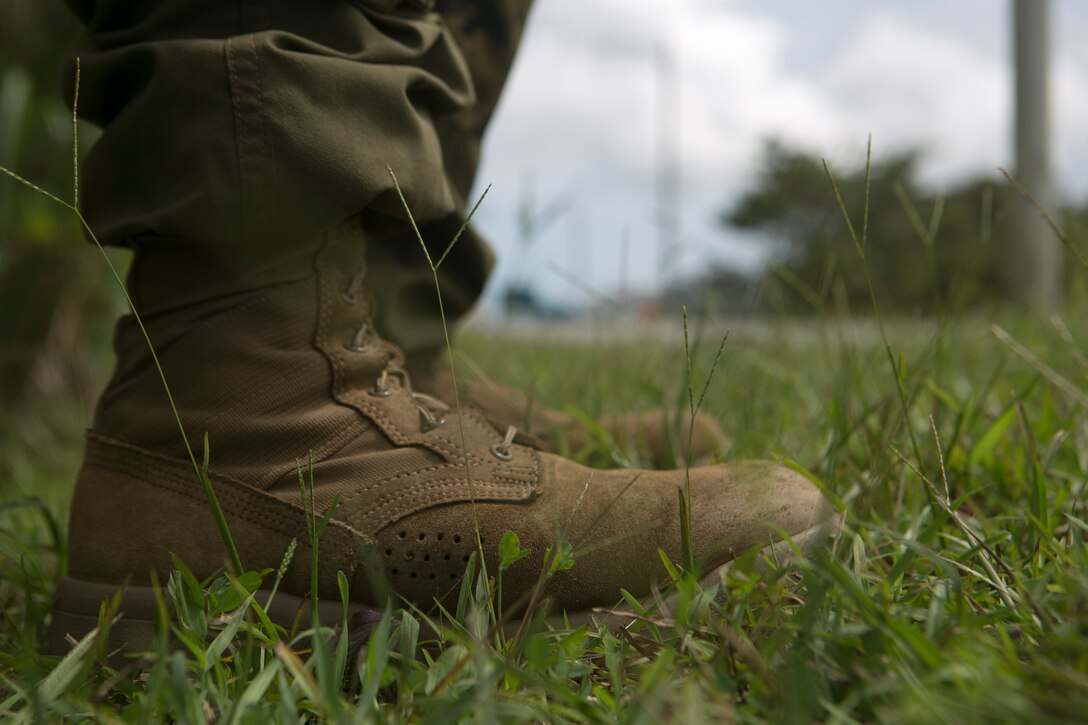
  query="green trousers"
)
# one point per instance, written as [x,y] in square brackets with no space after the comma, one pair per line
[239,128]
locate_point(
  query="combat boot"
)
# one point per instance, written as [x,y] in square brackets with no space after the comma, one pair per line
[282,369]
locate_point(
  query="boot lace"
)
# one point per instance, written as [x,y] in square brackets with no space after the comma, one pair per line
[432,411]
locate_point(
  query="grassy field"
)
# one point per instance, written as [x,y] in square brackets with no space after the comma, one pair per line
[958,591]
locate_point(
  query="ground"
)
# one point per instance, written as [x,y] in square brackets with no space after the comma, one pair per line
[957,592]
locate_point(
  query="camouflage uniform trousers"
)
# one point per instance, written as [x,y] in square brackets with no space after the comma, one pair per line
[233,130]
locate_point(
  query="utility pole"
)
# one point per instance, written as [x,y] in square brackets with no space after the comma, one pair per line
[1035,268]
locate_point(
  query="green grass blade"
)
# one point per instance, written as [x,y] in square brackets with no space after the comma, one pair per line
[68,669]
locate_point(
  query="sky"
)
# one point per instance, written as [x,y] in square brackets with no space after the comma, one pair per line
[576,133]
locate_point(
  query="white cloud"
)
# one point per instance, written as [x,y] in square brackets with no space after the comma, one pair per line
[580,108]
[912,87]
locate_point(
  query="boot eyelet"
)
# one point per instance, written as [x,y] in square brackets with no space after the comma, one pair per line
[352,347]
[348,297]
[379,392]
[502,452]
[427,424]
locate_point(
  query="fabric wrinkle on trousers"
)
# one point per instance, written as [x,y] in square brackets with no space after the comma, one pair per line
[236,130]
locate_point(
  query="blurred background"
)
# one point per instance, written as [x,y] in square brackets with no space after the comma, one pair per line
[57,304]
[652,147]
[654,153]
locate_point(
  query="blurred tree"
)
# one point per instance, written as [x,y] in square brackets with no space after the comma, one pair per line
[925,252]
[719,289]
[54,294]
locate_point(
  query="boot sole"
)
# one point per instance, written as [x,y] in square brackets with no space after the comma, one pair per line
[76,602]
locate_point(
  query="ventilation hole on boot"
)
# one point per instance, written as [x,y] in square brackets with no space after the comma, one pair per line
[389,552]
[412,575]
[402,535]
[392,572]
[421,537]
[465,558]
[440,535]
[433,577]
[452,577]
[446,557]
[426,557]
[457,538]
[409,556]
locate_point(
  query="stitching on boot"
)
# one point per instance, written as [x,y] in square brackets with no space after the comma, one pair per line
[396,509]
[268,509]
[499,483]
[287,524]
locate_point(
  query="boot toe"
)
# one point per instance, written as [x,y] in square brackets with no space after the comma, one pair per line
[617,523]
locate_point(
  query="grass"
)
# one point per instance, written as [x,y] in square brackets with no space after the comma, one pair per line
[958,592]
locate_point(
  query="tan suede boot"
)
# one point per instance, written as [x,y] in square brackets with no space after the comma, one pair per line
[284,366]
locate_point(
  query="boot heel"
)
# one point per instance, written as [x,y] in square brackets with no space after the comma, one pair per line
[76,604]
[75,613]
